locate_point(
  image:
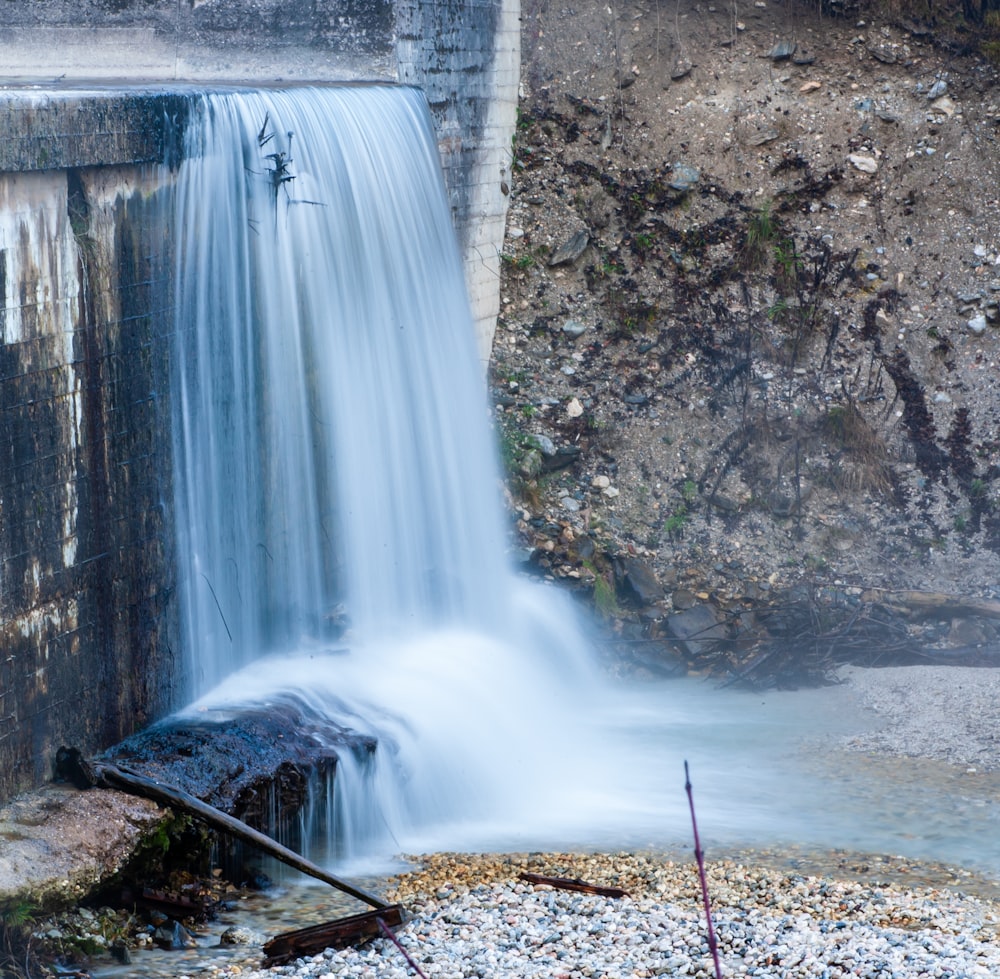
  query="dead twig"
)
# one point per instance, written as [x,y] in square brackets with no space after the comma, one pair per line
[700,858]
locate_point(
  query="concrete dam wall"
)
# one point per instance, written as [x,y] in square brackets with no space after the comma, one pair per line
[88,610]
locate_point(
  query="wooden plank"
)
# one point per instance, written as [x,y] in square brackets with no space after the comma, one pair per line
[340,933]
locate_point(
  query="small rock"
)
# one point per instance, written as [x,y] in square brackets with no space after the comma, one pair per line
[640,578]
[782,50]
[531,464]
[683,599]
[883,53]
[682,68]
[937,89]
[545,445]
[944,105]
[600,482]
[564,456]
[978,324]
[866,164]
[571,249]
[238,935]
[684,177]
[574,409]
[810,87]
[574,329]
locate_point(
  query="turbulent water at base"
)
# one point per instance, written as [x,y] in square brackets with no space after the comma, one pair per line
[334,455]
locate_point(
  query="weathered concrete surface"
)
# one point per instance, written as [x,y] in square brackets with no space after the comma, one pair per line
[465,55]
[236,40]
[88,622]
[60,842]
[62,129]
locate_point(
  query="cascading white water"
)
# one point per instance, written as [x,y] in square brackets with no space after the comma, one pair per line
[332,445]
[332,430]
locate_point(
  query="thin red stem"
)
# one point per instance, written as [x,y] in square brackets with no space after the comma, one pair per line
[713,945]
[395,941]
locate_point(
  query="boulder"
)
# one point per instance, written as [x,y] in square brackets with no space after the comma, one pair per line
[696,630]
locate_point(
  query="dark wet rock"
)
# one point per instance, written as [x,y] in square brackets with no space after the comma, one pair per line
[783,50]
[638,580]
[724,503]
[682,68]
[658,658]
[241,764]
[883,53]
[173,935]
[564,455]
[571,249]
[696,630]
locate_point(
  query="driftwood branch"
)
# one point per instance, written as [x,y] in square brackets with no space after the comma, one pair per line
[111,776]
[934,603]
[566,884]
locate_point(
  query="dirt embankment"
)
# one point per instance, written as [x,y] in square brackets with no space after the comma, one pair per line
[749,332]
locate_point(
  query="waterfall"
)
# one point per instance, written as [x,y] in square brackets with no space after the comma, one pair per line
[334,458]
[331,428]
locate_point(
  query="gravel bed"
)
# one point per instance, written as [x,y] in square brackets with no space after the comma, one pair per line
[945,713]
[473,917]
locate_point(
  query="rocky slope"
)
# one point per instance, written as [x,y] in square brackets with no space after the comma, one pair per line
[749,332]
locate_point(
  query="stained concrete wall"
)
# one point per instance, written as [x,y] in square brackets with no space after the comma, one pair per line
[88,620]
[86,617]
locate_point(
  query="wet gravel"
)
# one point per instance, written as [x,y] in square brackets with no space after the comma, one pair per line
[819,914]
